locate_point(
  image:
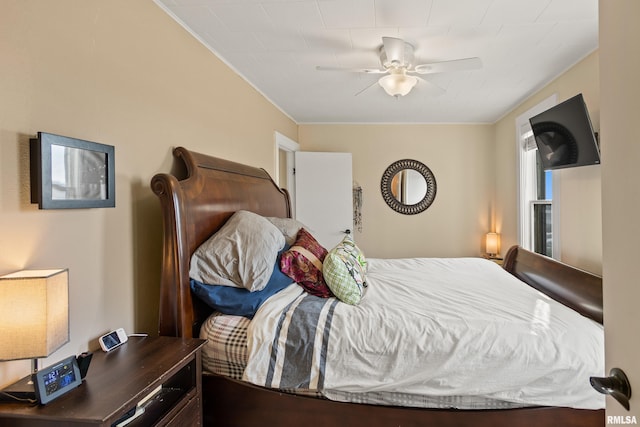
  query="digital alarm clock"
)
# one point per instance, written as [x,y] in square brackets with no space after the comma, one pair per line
[56,380]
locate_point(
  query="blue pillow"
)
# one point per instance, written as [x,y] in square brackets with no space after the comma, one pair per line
[240,301]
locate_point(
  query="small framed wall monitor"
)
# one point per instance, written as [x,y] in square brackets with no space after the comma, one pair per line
[70,173]
[56,380]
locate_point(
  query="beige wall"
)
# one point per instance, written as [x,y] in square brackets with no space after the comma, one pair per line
[460,156]
[123,73]
[579,192]
[475,168]
[620,68]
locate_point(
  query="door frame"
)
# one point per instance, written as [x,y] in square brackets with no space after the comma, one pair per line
[289,146]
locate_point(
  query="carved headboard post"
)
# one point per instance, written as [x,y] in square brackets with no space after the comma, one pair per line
[175,319]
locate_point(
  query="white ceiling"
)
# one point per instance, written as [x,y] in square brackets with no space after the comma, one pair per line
[277,44]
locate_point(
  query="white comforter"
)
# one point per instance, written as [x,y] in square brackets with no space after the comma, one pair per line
[432,327]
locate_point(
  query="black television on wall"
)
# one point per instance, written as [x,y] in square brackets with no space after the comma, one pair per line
[564,135]
[71,173]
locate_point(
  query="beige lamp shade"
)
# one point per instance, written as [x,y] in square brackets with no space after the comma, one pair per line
[492,243]
[34,313]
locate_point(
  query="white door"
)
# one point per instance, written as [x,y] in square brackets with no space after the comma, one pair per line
[324,200]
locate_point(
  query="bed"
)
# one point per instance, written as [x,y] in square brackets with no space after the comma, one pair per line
[200,197]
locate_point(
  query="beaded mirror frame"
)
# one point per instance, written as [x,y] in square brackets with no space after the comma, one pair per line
[393,202]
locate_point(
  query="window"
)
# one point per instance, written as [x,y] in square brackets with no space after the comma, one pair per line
[536,207]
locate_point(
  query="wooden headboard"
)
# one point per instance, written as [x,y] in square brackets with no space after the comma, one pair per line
[193,208]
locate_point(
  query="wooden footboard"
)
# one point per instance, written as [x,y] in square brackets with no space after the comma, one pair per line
[577,289]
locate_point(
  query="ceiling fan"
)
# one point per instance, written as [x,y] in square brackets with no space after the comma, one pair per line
[396,58]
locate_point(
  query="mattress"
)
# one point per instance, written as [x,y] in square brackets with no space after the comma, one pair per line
[461,328]
[225,353]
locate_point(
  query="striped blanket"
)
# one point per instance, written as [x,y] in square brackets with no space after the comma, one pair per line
[298,351]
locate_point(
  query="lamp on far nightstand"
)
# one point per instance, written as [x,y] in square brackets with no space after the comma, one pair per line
[492,245]
[34,316]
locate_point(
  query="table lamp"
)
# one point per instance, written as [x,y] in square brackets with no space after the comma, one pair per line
[34,315]
[492,245]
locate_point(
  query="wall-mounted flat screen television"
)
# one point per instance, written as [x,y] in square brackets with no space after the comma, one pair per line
[564,135]
[68,173]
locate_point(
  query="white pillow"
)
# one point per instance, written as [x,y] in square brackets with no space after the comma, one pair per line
[241,254]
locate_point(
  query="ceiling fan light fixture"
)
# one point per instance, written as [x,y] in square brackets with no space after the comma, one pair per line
[397,84]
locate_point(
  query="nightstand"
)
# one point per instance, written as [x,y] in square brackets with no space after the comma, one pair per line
[163,372]
[498,261]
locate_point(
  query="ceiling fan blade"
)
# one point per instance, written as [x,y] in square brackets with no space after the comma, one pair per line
[446,66]
[352,70]
[431,87]
[394,49]
[366,88]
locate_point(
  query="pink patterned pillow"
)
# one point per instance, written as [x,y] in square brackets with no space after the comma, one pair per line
[303,263]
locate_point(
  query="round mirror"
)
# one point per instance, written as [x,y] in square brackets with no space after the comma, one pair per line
[408,186]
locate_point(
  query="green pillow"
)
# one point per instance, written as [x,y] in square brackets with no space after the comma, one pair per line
[344,270]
